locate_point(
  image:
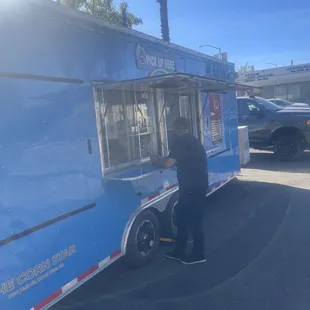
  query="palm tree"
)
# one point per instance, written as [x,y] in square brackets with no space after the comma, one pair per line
[164,23]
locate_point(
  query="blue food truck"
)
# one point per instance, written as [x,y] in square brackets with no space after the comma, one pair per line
[83,106]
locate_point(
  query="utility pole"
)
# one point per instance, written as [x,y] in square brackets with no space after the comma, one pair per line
[274,81]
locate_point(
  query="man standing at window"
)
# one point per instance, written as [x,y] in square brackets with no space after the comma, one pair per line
[190,157]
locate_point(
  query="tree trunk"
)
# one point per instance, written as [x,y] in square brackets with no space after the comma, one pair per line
[164,24]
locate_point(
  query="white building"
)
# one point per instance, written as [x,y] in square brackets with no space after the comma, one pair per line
[291,82]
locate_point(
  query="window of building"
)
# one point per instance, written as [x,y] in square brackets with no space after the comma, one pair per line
[268,92]
[280,92]
[293,92]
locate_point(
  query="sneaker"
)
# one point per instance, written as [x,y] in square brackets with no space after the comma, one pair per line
[191,260]
[173,255]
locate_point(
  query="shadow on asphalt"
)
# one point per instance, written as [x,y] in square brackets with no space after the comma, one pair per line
[240,221]
[267,161]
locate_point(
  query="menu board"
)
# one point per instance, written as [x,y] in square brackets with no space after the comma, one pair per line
[216,118]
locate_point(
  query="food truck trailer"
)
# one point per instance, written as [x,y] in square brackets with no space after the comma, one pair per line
[83,105]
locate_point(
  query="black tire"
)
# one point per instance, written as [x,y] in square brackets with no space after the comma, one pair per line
[143,239]
[167,219]
[288,147]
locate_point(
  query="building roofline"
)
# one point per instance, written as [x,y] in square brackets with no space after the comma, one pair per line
[60,8]
[275,69]
[276,76]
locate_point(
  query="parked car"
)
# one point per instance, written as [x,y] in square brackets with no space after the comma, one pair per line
[284,130]
[285,103]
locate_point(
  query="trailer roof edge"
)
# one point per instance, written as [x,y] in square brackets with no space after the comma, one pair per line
[86,17]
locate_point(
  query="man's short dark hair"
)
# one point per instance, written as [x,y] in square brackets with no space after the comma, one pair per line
[181,123]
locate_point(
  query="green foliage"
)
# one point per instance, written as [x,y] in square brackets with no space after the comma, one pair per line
[77,4]
[106,10]
[245,68]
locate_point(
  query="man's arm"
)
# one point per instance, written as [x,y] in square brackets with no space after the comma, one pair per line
[166,162]
[170,160]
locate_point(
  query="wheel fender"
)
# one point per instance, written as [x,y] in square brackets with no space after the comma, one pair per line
[140,209]
[285,130]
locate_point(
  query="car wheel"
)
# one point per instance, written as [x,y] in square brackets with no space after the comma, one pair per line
[144,238]
[288,148]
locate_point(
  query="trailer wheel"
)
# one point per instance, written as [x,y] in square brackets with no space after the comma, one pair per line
[168,219]
[144,238]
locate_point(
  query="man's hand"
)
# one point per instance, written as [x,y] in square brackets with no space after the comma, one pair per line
[156,159]
[163,162]
[168,162]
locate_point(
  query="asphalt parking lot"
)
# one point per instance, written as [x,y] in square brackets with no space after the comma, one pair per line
[258,247]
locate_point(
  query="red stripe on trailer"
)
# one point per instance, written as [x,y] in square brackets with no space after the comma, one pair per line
[217,186]
[87,273]
[77,281]
[165,189]
[113,255]
[153,196]
[47,300]
[170,187]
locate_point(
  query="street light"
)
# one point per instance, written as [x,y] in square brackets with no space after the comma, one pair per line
[274,82]
[271,63]
[215,47]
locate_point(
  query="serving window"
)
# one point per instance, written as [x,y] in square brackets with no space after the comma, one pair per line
[176,105]
[127,126]
[135,117]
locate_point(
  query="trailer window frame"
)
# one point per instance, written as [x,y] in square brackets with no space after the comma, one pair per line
[190,105]
[180,83]
[132,130]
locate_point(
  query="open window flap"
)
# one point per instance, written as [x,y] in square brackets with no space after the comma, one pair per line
[174,82]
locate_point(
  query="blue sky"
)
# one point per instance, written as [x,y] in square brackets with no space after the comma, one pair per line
[250,31]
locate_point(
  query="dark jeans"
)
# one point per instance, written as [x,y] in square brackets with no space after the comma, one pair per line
[189,219]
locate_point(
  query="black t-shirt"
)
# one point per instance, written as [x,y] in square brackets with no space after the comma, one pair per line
[191,161]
